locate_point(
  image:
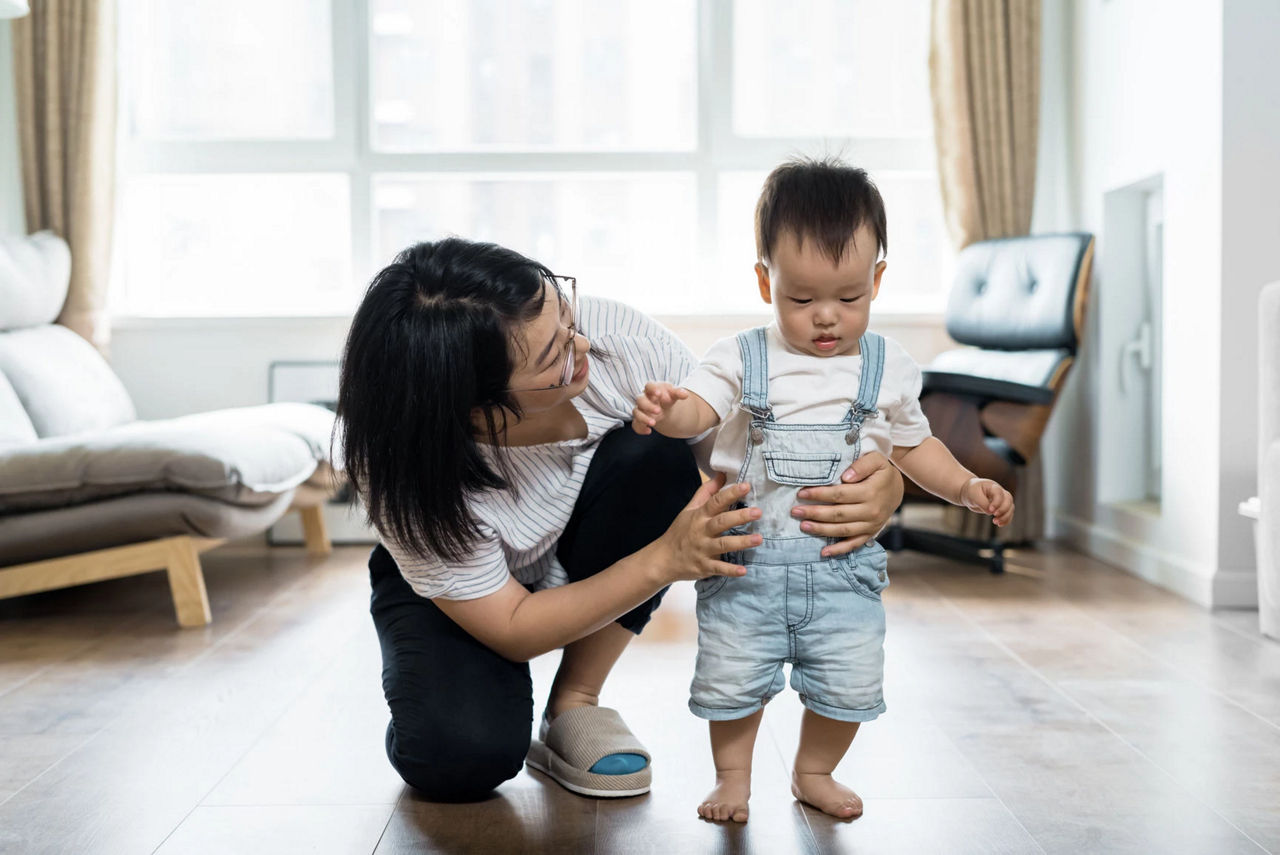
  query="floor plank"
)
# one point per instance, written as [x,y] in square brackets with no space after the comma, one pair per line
[1064,707]
[279,830]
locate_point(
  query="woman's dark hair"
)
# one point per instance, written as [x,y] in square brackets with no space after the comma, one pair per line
[431,343]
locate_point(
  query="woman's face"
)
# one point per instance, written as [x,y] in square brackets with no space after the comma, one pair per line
[544,346]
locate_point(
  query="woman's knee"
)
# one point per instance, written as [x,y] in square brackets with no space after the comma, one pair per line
[655,461]
[458,761]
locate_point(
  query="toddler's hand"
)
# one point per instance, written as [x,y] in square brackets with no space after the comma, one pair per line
[984,496]
[652,406]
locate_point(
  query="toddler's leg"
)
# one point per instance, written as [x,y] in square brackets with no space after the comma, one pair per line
[731,745]
[823,741]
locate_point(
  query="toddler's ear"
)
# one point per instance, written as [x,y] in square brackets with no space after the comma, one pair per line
[875,281]
[762,278]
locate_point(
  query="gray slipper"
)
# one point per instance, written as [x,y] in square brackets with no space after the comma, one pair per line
[579,738]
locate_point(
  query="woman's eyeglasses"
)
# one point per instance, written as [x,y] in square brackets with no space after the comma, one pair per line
[566,373]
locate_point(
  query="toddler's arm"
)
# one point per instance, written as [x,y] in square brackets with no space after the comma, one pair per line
[931,465]
[672,411]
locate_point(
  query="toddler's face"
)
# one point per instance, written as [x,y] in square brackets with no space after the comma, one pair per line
[822,308]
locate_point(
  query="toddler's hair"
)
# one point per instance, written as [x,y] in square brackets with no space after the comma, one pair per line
[824,200]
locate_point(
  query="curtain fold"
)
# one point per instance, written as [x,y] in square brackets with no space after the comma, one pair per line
[984,76]
[64,57]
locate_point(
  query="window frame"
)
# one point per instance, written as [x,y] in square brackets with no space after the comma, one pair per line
[349,152]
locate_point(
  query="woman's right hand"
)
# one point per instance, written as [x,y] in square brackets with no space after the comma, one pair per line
[692,545]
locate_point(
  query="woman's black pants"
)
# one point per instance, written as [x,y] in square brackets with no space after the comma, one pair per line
[460,713]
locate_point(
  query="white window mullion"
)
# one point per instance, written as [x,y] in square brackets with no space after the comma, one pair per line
[351,67]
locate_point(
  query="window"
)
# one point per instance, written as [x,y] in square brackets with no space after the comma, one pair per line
[276,154]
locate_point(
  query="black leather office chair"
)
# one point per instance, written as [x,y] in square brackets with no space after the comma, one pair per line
[1019,305]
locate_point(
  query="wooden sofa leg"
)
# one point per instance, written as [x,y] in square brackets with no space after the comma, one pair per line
[314,532]
[186,581]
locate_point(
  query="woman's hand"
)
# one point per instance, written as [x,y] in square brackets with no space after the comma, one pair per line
[692,545]
[855,510]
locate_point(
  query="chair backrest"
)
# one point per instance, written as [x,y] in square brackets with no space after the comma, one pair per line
[52,382]
[1022,293]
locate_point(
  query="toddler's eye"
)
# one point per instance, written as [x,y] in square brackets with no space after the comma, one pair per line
[850,299]
[800,302]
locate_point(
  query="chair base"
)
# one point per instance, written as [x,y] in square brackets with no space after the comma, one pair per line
[898,537]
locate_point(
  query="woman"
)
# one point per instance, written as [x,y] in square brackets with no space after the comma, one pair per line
[483,422]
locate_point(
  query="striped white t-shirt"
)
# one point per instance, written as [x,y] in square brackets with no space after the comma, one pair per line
[519,536]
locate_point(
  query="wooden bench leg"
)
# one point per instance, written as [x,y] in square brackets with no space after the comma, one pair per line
[314,532]
[186,581]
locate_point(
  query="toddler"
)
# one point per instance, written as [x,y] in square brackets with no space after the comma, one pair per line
[798,401]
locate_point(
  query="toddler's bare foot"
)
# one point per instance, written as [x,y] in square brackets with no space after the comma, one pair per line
[826,794]
[729,799]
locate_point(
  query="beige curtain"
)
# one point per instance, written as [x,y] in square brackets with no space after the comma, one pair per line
[984,73]
[64,56]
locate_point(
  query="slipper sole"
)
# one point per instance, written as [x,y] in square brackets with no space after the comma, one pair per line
[583,782]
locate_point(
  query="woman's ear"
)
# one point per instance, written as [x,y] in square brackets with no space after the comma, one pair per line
[762,279]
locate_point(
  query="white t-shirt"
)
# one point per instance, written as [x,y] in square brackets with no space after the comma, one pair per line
[519,537]
[807,389]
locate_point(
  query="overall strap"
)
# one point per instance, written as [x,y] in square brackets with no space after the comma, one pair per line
[872,347]
[755,372]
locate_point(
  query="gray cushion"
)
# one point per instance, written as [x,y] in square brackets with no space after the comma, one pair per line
[128,519]
[1028,367]
[64,384]
[1018,293]
[246,456]
[34,273]
[15,427]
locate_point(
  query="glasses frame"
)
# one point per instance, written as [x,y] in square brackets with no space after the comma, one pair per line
[566,374]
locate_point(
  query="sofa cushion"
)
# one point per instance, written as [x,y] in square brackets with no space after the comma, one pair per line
[122,520]
[34,273]
[246,456]
[15,427]
[65,385]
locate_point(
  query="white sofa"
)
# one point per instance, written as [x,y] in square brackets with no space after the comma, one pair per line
[89,492]
[1268,524]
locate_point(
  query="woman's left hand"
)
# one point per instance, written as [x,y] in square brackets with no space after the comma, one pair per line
[856,509]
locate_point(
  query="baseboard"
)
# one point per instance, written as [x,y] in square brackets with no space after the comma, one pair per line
[1235,589]
[1226,589]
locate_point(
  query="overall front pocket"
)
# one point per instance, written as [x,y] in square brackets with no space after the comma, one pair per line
[800,469]
[708,586]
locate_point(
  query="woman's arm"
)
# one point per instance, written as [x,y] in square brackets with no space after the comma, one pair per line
[520,625]
[855,510]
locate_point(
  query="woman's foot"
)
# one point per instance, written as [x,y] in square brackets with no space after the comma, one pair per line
[826,794]
[729,799]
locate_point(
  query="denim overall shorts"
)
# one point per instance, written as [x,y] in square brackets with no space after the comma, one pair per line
[821,615]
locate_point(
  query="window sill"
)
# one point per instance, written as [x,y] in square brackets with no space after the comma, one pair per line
[743,321]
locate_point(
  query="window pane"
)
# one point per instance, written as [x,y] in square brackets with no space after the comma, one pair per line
[629,237]
[466,75]
[920,259]
[213,70]
[237,245]
[831,68]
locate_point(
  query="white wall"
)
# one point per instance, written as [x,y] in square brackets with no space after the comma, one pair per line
[1250,254]
[11,216]
[1191,96]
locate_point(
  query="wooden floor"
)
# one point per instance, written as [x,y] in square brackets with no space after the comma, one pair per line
[1064,707]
